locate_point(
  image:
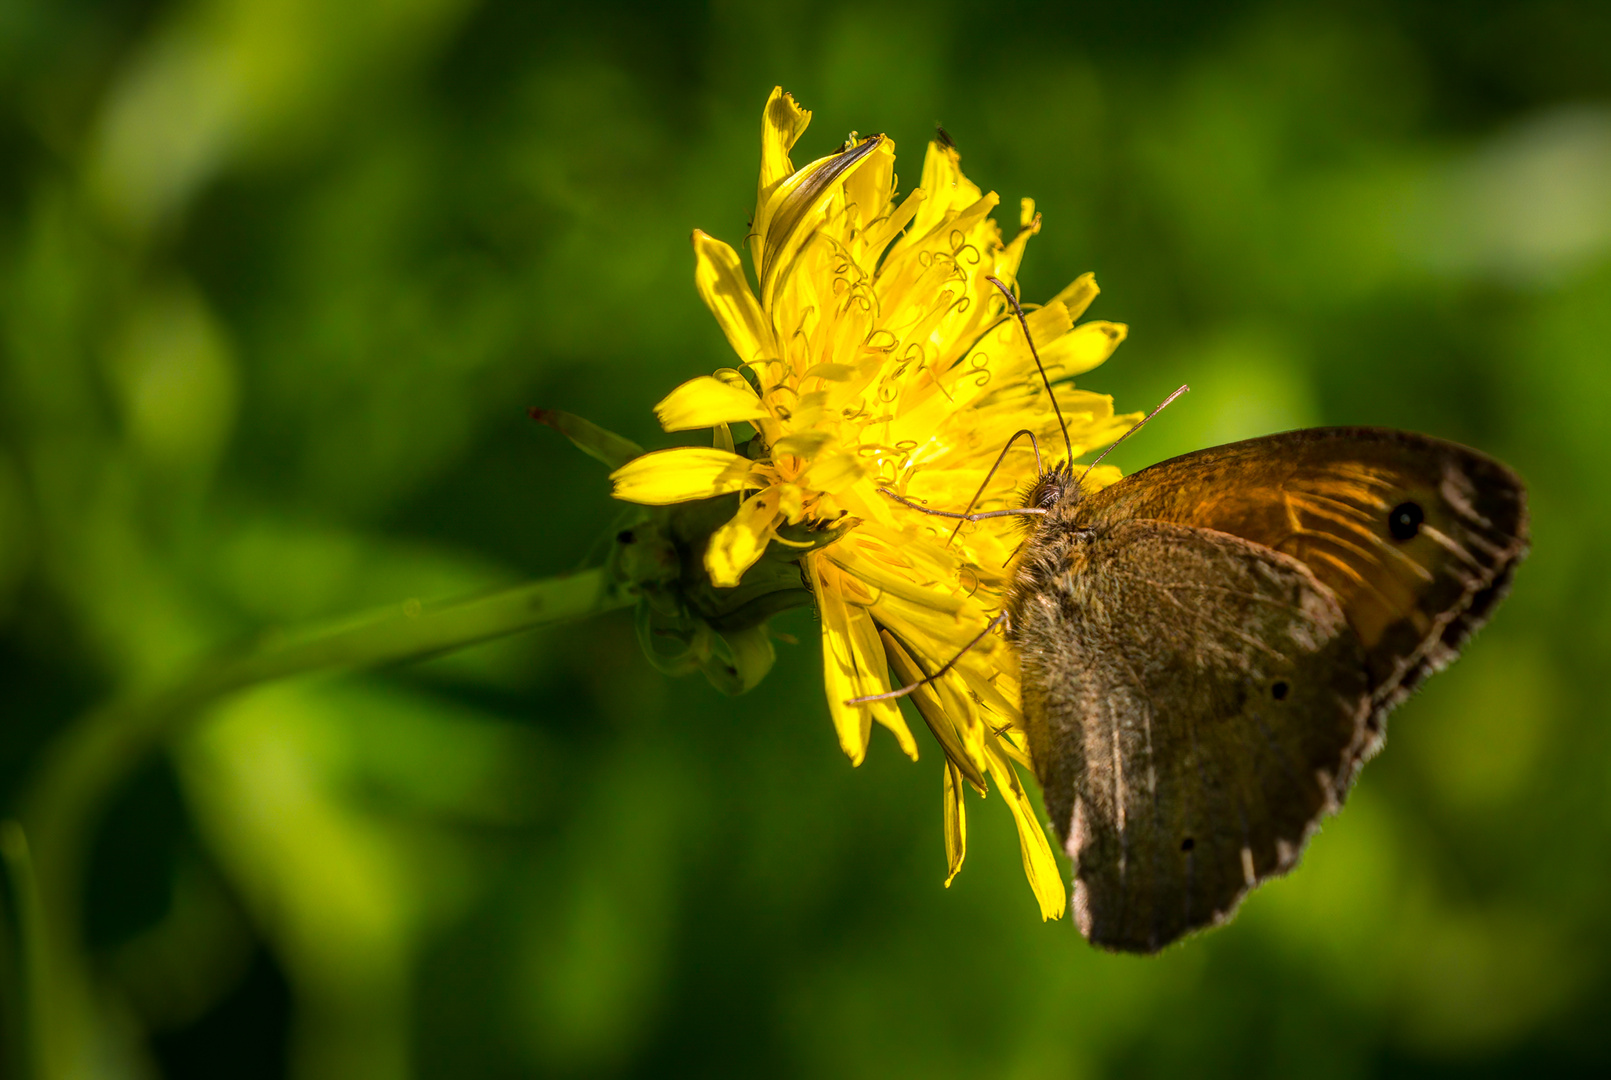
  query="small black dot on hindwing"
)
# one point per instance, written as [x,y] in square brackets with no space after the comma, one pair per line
[1188,843]
[1278,689]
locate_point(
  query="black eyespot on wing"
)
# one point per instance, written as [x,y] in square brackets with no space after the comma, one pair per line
[1278,689]
[1187,844]
[1405,521]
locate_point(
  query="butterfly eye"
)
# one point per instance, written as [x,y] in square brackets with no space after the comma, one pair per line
[1405,521]
[1045,493]
[1278,690]
[1187,844]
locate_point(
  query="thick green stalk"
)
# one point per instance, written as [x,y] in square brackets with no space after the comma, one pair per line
[94,755]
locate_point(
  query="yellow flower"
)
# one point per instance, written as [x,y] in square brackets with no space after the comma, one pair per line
[875,354]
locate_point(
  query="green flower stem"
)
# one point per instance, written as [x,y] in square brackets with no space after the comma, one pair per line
[19,954]
[95,754]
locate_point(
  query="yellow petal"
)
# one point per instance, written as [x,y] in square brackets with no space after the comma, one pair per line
[1040,867]
[867,197]
[736,546]
[1046,325]
[965,714]
[782,124]
[1015,744]
[1100,477]
[705,402]
[791,501]
[853,723]
[1082,348]
[1078,296]
[938,234]
[854,665]
[1097,427]
[957,722]
[1009,258]
[789,216]
[864,632]
[900,565]
[830,372]
[890,581]
[721,284]
[804,444]
[956,823]
[835,473]
[680,474]
[939,722]
[945,189]
[880,235]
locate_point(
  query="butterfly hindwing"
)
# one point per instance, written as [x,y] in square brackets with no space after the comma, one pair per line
[1196,705]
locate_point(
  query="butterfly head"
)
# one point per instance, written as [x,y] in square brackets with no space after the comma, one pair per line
[1059,487]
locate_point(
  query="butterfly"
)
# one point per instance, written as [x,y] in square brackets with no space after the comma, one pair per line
[1209,649]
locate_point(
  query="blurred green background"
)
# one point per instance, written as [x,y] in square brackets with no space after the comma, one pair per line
[278,279]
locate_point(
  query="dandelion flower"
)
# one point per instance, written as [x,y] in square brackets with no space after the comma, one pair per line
[875,356]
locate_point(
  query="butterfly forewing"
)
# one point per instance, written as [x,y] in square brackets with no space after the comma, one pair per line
[1409,532]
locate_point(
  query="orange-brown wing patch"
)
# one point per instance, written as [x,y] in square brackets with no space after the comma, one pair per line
[1329,497]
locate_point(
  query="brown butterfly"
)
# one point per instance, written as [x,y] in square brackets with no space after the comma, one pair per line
[1210,648]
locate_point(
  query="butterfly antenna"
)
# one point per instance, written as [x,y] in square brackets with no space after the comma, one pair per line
[1021,511]
[1022,321]
[1133,429]
[991,475]
[949,664]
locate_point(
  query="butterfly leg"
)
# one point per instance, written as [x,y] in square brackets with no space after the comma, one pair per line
[999,620]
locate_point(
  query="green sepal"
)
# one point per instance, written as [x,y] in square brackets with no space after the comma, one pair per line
[670,643]
[739,659]
[686,624]
[643,558]
[733,661]
[761,608]
[590,439]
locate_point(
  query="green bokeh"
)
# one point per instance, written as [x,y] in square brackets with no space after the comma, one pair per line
[278,280]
